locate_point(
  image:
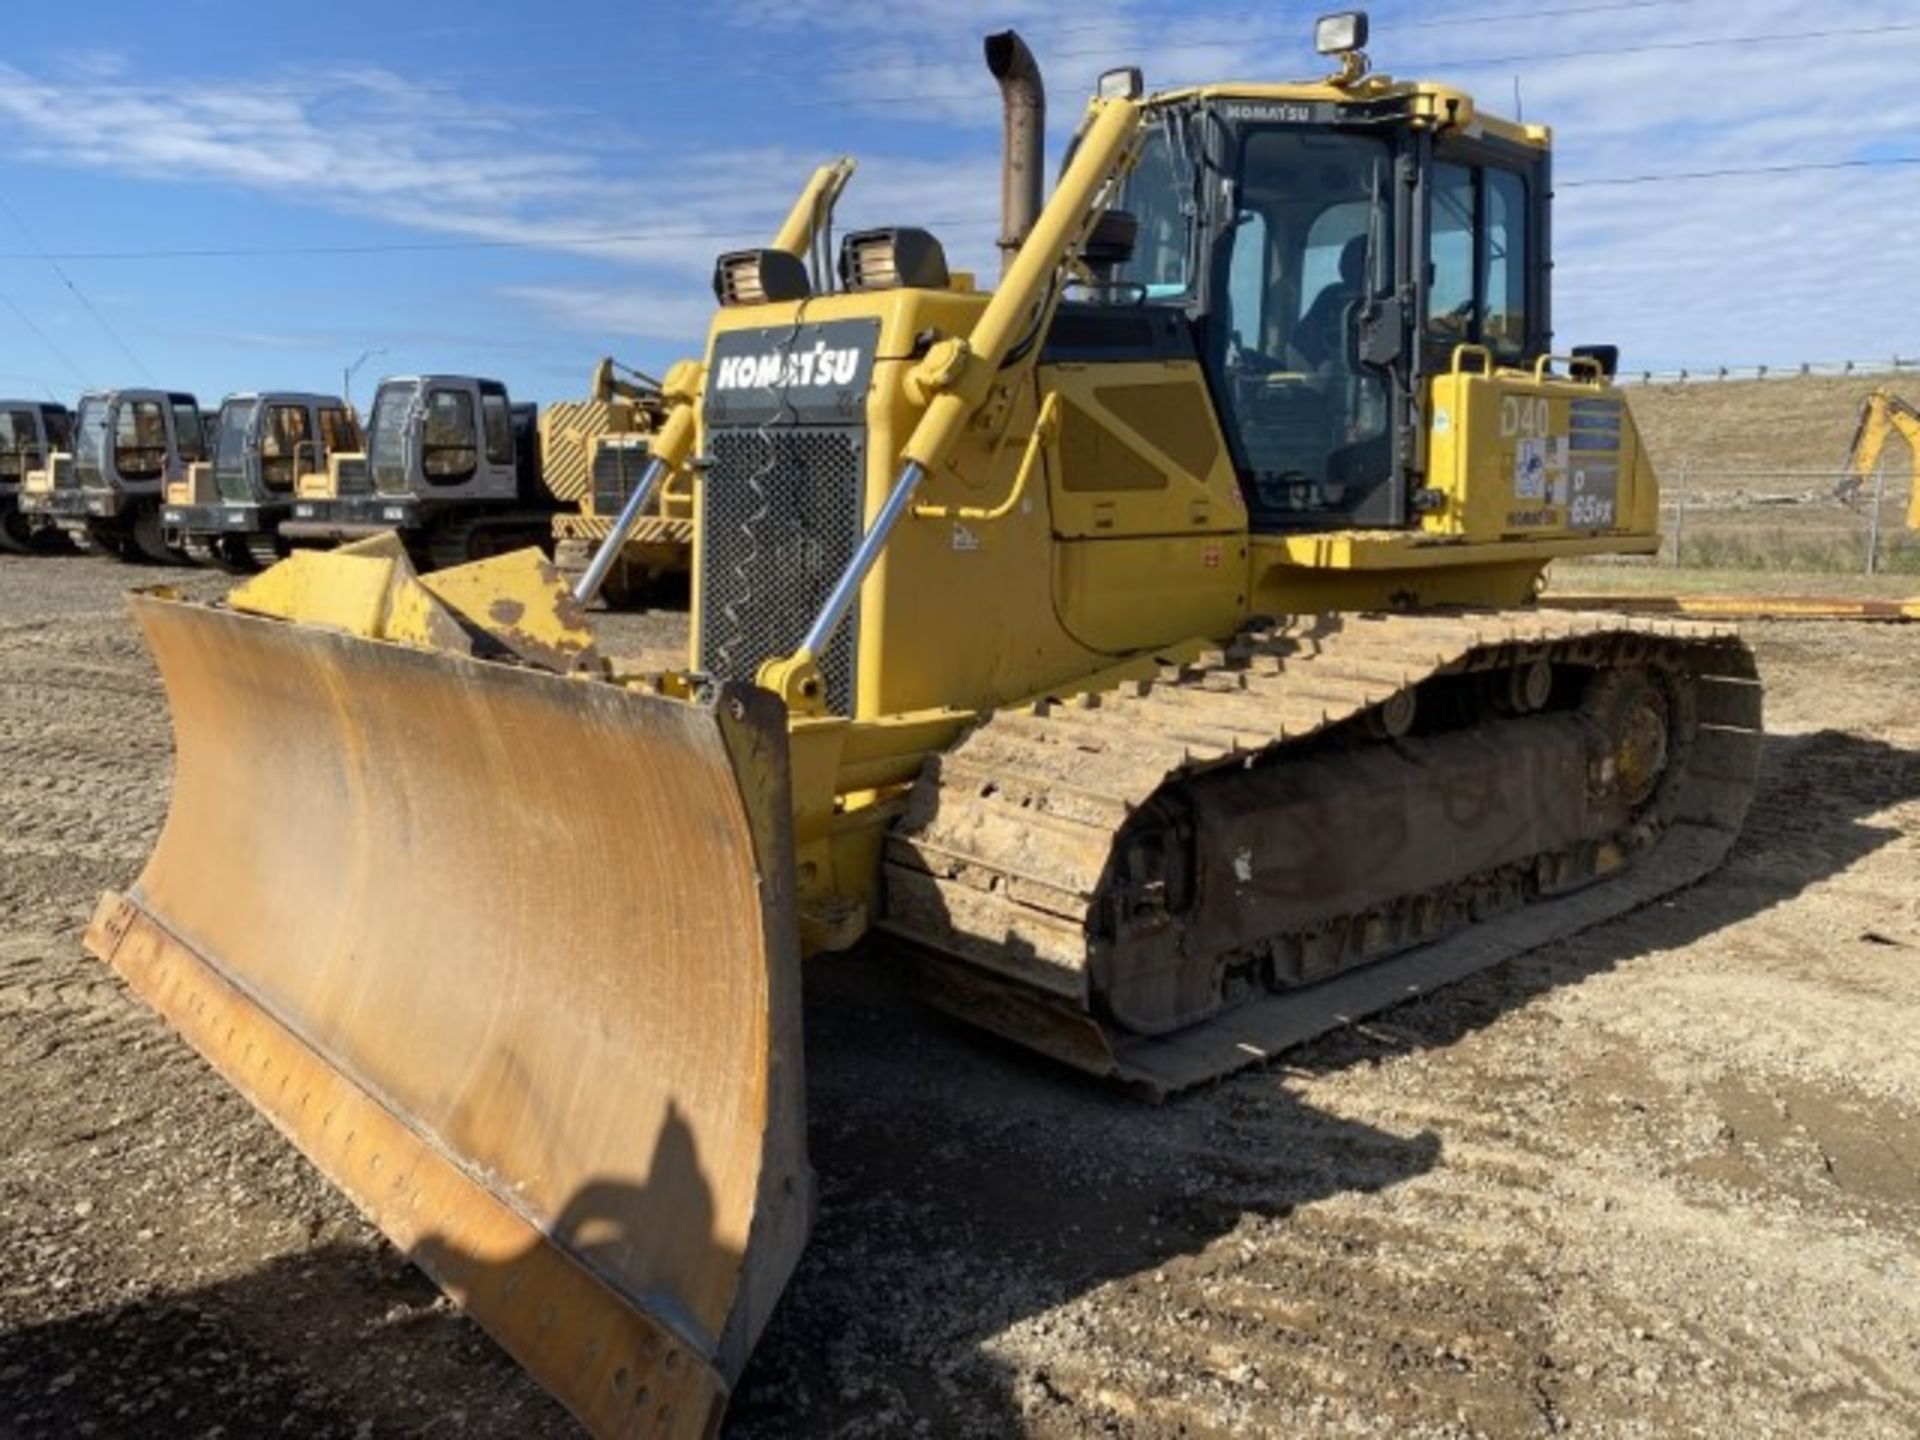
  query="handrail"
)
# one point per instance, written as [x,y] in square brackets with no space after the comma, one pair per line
[1595,372]
[1044,426]
[1467,347]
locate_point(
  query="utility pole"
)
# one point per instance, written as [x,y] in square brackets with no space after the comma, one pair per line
[346,375]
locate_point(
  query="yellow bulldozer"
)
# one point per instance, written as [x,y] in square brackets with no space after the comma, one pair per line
[1141,650]
[594,450]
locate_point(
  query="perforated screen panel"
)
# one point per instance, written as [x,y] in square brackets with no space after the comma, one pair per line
[782,516]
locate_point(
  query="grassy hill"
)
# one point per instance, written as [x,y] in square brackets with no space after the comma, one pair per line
[1797,423]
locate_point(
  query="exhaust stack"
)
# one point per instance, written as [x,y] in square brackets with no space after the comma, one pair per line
[1023,104]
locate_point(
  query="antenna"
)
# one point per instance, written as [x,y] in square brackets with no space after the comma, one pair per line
[1519,108]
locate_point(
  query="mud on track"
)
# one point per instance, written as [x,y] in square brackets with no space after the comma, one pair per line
[1660,1179]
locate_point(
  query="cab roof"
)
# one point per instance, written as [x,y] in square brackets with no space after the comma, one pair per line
[177,397]
[284,397]
[1424,101]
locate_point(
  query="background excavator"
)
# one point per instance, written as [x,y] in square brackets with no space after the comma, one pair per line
[30,432]
[106,492]
[1883,416]
[450,463]
[599,447]
[1144,647]
[227,509]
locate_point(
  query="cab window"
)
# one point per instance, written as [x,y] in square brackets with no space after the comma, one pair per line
[339,434]
[1159,194]
[449,451]
[189,430]
[1505,282]
[493,406]
[1478,262]
[286,447]
[140,440]
[19,444]
[1310,245]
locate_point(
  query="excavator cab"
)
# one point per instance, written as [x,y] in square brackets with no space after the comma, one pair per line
[128,445]
[30,432]
[451,463]
[229,509]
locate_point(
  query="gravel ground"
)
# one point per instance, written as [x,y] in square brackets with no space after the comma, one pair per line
[1659,1179]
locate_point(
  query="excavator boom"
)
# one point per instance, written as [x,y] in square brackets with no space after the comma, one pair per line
[1883,416]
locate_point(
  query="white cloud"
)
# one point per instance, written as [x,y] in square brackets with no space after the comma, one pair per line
[1739,270]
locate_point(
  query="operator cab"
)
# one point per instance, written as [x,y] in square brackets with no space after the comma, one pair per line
[1330,246]
[135,439]
[266,442]
[444,435]
[30,431]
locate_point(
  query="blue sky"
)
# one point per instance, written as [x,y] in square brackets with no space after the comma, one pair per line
[531,135]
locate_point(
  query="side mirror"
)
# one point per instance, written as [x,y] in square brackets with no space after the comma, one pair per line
[1607,357]
[1382,330]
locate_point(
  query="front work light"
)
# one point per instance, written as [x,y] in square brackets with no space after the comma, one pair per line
[756,277]
[1341,33]
[1126,83]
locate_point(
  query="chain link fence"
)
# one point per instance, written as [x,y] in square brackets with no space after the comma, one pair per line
[1816,521]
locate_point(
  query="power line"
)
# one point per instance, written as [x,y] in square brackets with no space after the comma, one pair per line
[1787,169]
[1111,51]
[744,232]
[31,380]
[46,340]
[1709,42]
[67,280]
[432,247]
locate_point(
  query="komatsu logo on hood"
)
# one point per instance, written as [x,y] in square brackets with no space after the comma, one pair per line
[822,364]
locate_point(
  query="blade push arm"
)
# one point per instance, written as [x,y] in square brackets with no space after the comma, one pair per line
[958,375]
[679,392]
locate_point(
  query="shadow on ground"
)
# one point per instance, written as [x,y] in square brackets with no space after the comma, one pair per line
[340,1340]
[966,1185]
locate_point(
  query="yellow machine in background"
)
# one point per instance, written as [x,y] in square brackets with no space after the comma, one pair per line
[1883,416]
[1143,646]
[658,542]
[595,450]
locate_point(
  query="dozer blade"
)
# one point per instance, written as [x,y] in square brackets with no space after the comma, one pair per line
[512,958]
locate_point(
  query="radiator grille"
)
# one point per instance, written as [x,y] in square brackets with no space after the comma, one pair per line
[65,477]
[782,517]
[617,469]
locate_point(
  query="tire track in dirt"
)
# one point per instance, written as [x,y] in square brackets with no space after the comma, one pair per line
[1662,1178]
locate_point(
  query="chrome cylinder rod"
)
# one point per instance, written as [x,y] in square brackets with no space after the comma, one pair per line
[848,586]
